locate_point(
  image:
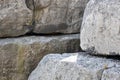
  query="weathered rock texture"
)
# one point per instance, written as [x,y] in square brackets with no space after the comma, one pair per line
[58,16]
[18,17]
[100,32]
[14,16]
[111,74]
[77,66]
[19,56]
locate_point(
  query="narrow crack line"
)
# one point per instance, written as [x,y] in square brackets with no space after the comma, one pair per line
[31,5]
[106,68]
[101,73]
[36,7]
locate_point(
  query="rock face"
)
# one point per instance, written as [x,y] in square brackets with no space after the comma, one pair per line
[111,74]
[59,16]
[18,17]
[14,16]
[100,32]
[19,56]
[77,66]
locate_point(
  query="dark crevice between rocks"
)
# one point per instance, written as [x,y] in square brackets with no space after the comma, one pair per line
[114,57]
[31,33]
[40,34]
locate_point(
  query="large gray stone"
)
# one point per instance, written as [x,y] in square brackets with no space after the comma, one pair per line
[59,16]
[76,66]
[19,56]
[100,33]
[14,18]
[18,17]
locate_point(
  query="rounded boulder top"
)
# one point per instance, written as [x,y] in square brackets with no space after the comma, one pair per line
[100,33]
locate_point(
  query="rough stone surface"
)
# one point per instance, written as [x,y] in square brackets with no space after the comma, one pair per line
[76,66]
[14,16]
[111,74]
[18,17]
[19,56]
[59,16]
[100,32]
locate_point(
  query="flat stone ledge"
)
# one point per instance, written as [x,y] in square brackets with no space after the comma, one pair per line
[76,66]
[19,56]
